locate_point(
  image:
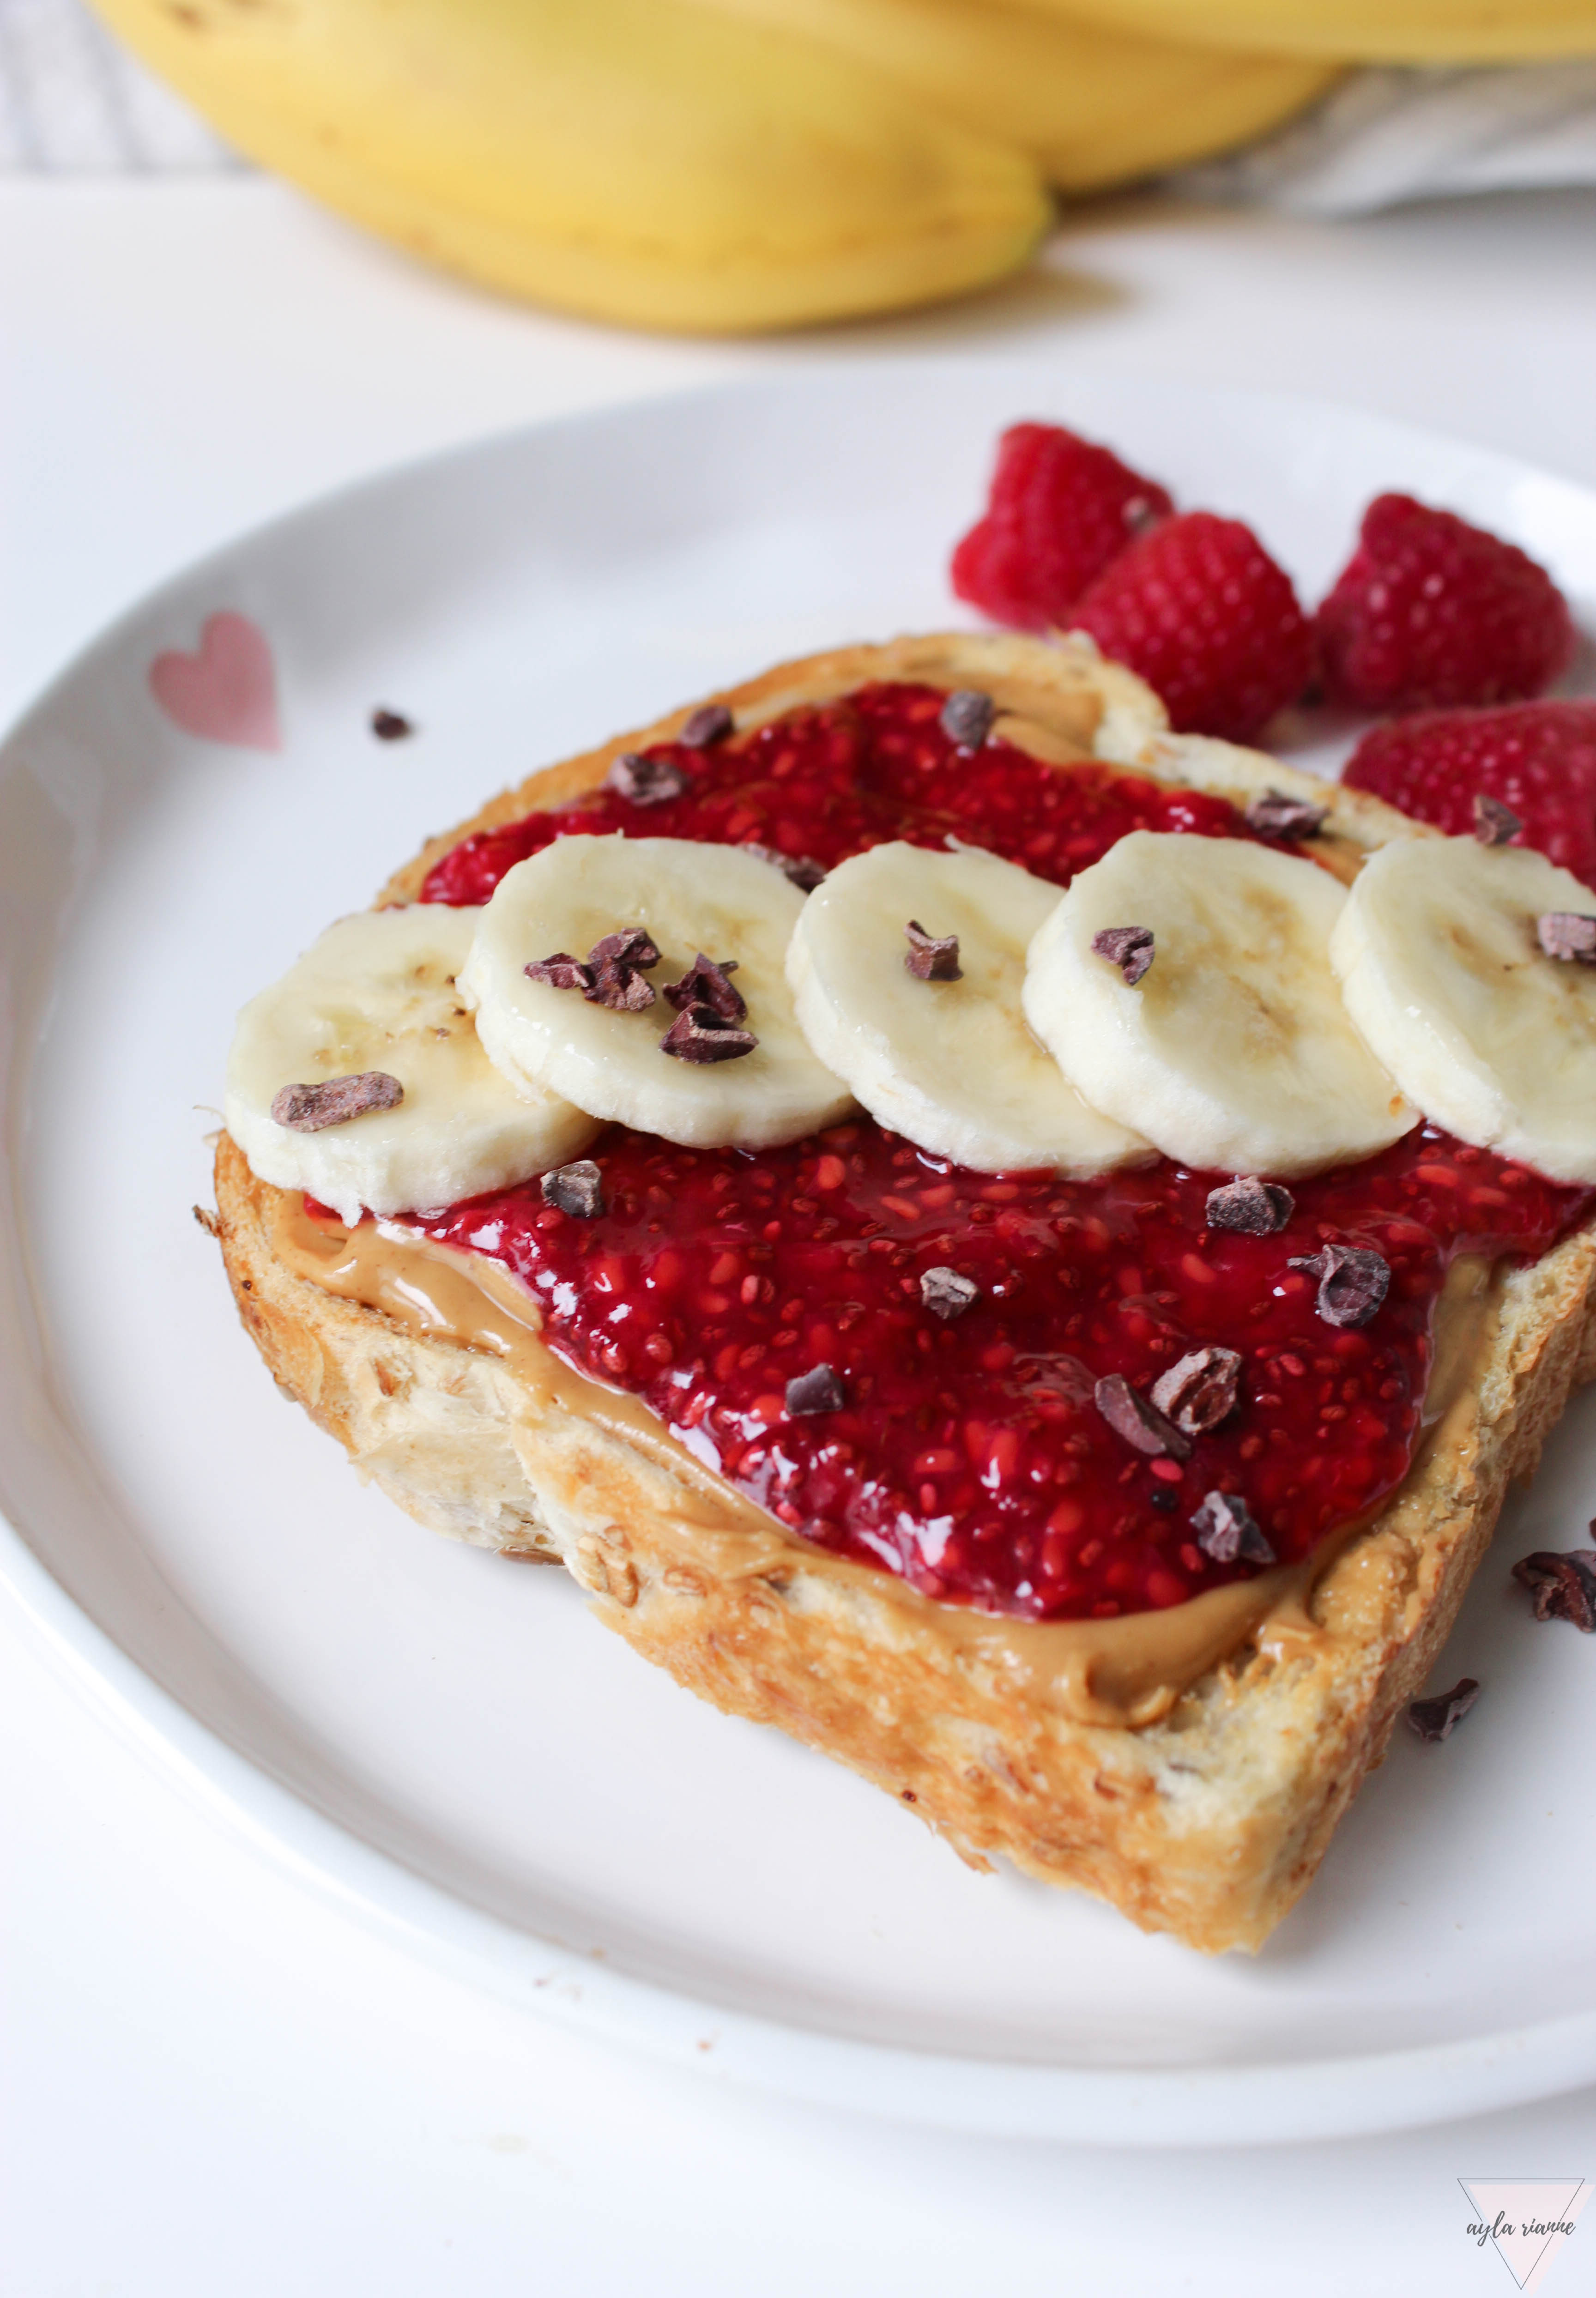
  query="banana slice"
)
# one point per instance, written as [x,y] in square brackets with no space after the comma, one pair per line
[948,1063]
[1443,971]
[375,999]
[608,1053]
[1231,1048]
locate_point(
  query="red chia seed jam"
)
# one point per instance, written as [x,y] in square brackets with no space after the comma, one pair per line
[968,1456]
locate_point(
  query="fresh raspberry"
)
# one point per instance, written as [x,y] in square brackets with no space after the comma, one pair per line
[1201,611]
[1430,612]
[1059,510]
[1537,759]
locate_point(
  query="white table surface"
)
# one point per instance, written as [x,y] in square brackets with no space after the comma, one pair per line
[213,2084]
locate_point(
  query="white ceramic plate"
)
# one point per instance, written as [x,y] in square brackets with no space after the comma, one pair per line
[445,1742]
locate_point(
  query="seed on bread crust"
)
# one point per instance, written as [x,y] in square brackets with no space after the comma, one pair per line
[645,782]
[310,1107]
[709,723]
[932,957]
[948,1294]
[1254,1207]
[575,1189]
[1199,1391]
[1433,1718]
[967,715]
[1225,1531]
[1142,1424]
[1353,1282]
[818,1390]
[1129,947]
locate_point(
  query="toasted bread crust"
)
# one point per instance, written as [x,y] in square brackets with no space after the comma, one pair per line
[1208,1823]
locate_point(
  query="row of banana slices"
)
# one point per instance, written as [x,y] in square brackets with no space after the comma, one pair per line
[1225,1005]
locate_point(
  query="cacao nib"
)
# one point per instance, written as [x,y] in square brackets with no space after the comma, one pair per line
[1129,947]
[1225,1531]
[1277,815]
[1433,1718]
[709,723]
[575,1189]
[1353,1282]
[704,983]
[699,1034]
[310,1107]
[1199,1391]
[967,716]
[930,957]
[561,971]
[388,726]
[1565,934]
[802,872]
[646,781]
[1254,1207]
[948,1294]
[1564,1587]
[818,1390]
[617,962]
[1493,823]
[1142,1424]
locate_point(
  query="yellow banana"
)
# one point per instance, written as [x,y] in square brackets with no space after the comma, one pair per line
[646,160]
[1092,106]
[1361,31]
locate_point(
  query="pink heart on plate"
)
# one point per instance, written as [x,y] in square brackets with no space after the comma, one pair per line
[227,692]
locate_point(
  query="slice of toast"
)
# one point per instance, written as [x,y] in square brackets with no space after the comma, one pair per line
[1208,1819]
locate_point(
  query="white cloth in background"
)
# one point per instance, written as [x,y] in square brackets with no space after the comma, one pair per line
[73,102]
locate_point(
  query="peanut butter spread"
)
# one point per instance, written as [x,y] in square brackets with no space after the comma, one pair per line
[1125,1672]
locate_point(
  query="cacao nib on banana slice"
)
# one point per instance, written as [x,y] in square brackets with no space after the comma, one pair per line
[1433,1718]
[698,1034]
[704,983]
[1563,1586]
[1254,1207]
[818,1390]
[932,957]
[1568,936]
[1199,1391]
[312,1108]
[798,868]
[575,1189]
[1225,1531]
[618,963]
[967,716]
[645,782]
[709,723]
[1142,1424]
[948,1294]
[560,971]
[1353,1282]
[1493,823]
[1129,947]
[1277,815]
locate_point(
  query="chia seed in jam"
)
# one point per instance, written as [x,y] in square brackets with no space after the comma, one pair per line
[967,1455]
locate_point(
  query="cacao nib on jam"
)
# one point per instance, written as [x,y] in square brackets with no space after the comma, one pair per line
[1274,815]
[1142,1424]
[1493,823]
[575,1189]
[1435,1717]
[1564,1586]
[389,726]
[560,971]
[1199,1392]
[1566,935]
[819,1390]
[644,780]
[1225,1531]
[312,1108]
[966,717]
[618,963]
[706,983]
[932,957]
[1129,947]
[709,723]
[796,868]
[972,1459]
[948,1294]
[1352,1283]
[1254,1207]
[698,1034]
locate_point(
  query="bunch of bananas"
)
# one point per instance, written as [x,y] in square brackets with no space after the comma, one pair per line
[719,165]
